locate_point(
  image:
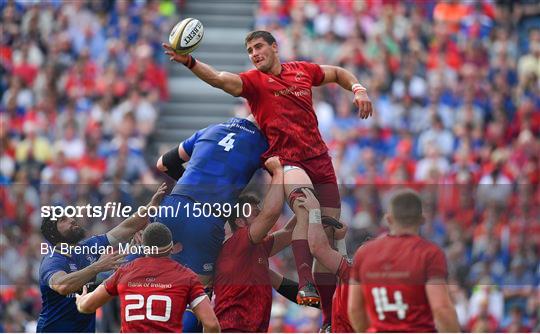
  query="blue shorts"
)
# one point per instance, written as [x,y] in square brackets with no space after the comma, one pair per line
[201,238]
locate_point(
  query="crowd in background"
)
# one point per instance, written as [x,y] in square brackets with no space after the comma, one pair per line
[456,92]
[80,91]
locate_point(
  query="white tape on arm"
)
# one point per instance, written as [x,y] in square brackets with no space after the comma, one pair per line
[315,216]
[197,301]
[358,88]
[341,246]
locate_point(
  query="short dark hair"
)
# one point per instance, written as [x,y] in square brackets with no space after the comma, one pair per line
[406,207]
[268,38]
[157,234]
[49,228]
[239,214]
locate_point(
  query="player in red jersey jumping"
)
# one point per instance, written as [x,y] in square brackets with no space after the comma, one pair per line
[398,281]
[280,99]
[335,260]
[154,290]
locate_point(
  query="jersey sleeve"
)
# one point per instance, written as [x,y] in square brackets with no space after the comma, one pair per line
[344,269]
[316,73]
[99,240]
[189,143]
[436,265]
[51,265]
[111,283]
[249,85]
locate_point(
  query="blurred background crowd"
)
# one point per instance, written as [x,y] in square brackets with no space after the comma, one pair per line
[456,91]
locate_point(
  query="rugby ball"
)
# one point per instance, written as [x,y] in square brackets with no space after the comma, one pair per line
[186,35]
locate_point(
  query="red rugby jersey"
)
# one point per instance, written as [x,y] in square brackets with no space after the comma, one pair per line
[283,107]
[340,317]
[393,271]
[153,294]
[242,284]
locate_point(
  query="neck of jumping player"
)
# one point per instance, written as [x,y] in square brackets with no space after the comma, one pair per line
[276,68]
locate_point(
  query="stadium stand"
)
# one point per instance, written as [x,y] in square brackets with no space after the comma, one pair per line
[456,88]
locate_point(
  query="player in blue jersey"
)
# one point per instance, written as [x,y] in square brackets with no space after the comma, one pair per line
[62,274]
[221,158]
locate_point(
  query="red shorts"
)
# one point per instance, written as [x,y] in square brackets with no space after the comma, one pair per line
[321,173]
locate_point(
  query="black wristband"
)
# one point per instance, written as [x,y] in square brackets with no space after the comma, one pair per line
[288,289]
[191,62]
[173,162]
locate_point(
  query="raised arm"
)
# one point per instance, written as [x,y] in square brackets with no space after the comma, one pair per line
[348,81]
[273,203]
[127,229]
[317,239]
[283,237]
[229,82]
[90,302]
[64,283]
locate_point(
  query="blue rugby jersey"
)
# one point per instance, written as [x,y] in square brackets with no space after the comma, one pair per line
[224,157]
[59,313]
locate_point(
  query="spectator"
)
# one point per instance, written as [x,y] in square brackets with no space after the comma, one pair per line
[529,64]
[458,77]
[518,285]
[484,321]
[517,324]
[432,167]
[437,136]
[129,165]
[59,171]
[33,147]
[71,144]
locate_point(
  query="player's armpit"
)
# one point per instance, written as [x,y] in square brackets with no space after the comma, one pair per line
[204,312]
[444,312]
[356,309]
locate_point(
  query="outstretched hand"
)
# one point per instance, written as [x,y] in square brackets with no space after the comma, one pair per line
[173,56]
[78,297]
[158,195]
[363,103]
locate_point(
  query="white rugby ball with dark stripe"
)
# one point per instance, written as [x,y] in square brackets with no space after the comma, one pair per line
[186,35]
